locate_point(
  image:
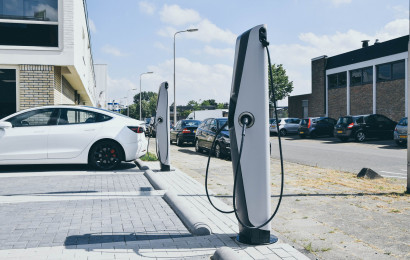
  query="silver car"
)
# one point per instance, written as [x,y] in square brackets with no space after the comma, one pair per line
[286,126]
[400,132]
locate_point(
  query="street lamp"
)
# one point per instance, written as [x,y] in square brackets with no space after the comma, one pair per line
[128,94]
[175,103]
[149,72]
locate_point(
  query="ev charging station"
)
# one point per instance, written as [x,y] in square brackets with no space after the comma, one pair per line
[249,106]
[250,152]
[162,128]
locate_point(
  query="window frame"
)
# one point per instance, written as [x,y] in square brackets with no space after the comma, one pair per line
[392,77]
[36,112]
[338,85]
[58,23]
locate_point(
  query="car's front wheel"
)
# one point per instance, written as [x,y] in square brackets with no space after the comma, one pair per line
[198,149]
[105,155]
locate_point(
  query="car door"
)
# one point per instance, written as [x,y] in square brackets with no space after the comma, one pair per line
[27,139]
[174,131]
[385,126]
[74,131]
[211,133]
[295,125]
[201,132]
[371,127]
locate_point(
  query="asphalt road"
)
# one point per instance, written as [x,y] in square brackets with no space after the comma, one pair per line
[382,156]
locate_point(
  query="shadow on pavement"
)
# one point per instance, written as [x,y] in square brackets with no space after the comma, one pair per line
[56,167]
[319,195]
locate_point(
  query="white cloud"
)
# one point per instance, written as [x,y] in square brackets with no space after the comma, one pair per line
[227,52]
[161,46]
[207,32]
[296,58]
[147,7]
[91,25]
[175,15]
[112,50]
[195,81]
[119,88]
[339,2]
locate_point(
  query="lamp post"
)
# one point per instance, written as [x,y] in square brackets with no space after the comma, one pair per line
[175,103]
[149,72]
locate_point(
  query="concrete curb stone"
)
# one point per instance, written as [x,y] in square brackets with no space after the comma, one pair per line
[192,219]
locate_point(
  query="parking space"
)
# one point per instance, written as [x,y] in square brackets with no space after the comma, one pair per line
[46,206]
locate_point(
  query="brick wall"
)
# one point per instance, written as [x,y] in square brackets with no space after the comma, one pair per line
[337,102]
[361,99]
[390,99]
[36,86]
[295,108]
[57,86]
[317,99]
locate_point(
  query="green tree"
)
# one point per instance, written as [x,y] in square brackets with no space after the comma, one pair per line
[193,104]
[148,105]
[281,84]
[209,102]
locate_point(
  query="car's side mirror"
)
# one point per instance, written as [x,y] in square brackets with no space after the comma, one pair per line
[5,125]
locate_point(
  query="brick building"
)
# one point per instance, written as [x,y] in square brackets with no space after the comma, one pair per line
[45,55]
[372,79]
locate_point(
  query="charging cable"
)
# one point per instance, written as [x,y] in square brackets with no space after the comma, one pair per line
[245,122]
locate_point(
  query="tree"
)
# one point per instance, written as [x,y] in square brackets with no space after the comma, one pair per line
[193,104]
[281,84]
[148,105]
[209,102]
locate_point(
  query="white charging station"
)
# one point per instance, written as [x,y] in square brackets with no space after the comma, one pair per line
[250,99]
[163,127]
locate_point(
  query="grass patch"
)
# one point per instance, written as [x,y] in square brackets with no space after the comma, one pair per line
[149,157]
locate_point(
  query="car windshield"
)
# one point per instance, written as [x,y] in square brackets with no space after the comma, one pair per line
[403,122]
[345,120]
[191,123]
[221,123]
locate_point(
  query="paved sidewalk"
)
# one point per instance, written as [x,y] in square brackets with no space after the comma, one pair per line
[224,226]
[69,212]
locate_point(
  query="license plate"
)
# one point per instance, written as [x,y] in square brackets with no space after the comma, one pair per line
[194,131]
[301,132]
[339,132]
[403,136]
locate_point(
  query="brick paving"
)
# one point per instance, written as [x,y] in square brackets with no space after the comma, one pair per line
[69,212]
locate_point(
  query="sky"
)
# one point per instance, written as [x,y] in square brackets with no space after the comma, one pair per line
[133,37]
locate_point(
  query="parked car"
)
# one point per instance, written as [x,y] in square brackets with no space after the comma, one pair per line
[316,126]
[148,125]
[205,135]
[184,132]
[272,125]
[286,126]
[361,127]
[400,132]
[71,135]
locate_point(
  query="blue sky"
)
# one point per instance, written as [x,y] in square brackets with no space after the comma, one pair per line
[134,37]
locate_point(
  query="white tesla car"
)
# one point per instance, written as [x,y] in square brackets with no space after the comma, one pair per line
[71,135]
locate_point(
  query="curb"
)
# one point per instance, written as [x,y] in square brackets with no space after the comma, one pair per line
[192,219]
[225,253]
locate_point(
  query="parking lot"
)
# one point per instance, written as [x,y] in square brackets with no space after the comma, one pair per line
[382,156]
[330,213]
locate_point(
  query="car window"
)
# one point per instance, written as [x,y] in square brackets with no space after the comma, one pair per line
[221,123]
[296,121]
[40,117]
[304,121]
[77,116]
[382,119]
[190,123]
[213,125]
[206,124]
[403,122]
[369,120]
[288,121]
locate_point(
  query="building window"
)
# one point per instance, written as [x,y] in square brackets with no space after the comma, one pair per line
[390,71]
[361,76]
[337,80]
[29,23]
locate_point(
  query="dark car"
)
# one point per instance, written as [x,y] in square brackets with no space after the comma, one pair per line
[316,126]
[361,127]
[400,132]
[184,132]
[205,135]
